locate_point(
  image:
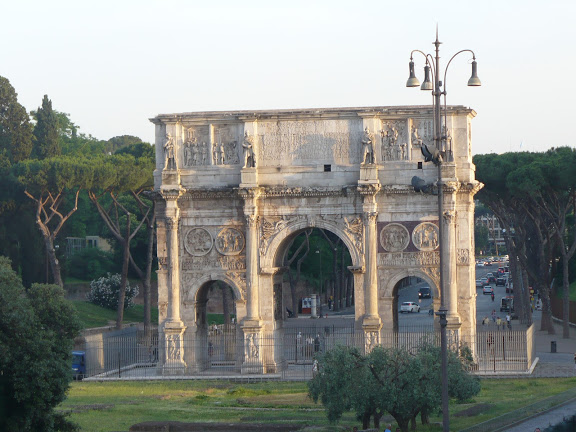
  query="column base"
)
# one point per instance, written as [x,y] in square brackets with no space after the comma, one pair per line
[253,348]
[248,178]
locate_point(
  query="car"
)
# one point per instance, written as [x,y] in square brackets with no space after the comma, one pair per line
[409,307]
[488,275]
[484,281]
[501,270]
[500,282]
[491,280]
[487,289]
[487,264]
[424,292]
[479,283]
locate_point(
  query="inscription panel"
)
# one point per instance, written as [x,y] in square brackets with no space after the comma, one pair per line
[313,141]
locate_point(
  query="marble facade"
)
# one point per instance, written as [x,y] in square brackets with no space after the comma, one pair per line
[234,187]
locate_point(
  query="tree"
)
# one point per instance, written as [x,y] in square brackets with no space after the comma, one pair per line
[392,380]
[15,128]
[46,182]
[299,255]
[46,131]
[37,329]
[122,178]
[118,142]
[481,238]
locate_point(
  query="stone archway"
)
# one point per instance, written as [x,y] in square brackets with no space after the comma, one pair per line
[220,218]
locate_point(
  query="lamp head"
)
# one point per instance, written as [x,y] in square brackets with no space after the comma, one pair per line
[474,81]
[412,81]
[427,84]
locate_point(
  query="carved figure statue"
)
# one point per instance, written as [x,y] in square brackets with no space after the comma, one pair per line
[403,151]
[367,147]
[214,154]
[169,153]
[416,140]
[248,144]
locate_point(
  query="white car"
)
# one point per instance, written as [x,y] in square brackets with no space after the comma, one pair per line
[480,283]
[487,290]
[409,307]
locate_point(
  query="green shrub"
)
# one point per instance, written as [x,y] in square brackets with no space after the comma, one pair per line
[89,264]
[104,292]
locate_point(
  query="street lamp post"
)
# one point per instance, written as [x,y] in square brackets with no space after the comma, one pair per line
[437,154]
[320,256]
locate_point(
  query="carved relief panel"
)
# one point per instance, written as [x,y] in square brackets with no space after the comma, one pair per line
[393,141]
[426,237]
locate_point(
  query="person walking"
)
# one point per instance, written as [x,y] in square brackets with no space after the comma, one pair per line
[498,322]
[508,321]
[493,315]
[492,295]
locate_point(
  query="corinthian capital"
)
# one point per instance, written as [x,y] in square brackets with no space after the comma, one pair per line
[370,216]
[251,220]
[171,222]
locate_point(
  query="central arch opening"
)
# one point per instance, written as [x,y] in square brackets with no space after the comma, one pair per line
[315,292]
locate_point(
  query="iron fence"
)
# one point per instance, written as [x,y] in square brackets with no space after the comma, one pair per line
[288,354]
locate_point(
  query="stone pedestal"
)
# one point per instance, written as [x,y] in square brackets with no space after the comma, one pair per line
[249,178]
[174,363]
[253,347]
[368,174]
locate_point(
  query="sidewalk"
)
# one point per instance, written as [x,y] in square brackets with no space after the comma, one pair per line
[560,363]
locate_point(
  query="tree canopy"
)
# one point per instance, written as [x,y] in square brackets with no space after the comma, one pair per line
[15,128]
[46,131]
[37,328]
[392,380]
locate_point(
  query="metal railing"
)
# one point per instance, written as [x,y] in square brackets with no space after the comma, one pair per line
[221,351]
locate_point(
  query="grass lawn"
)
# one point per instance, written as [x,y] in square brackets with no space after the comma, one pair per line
[96,316]
[115,406]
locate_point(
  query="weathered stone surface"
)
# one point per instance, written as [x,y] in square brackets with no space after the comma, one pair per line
[234,187]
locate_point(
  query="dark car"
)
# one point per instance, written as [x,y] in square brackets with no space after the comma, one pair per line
[491,280]
[424,292]
[500,282]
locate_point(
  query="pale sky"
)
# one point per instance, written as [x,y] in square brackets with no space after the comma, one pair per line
[112,65]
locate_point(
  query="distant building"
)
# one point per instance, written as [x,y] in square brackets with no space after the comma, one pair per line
[75,244]
[495,235]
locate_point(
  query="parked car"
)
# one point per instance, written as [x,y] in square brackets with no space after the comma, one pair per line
[500,282]
[78,364]
[487,290]
[409,307]
[424,292]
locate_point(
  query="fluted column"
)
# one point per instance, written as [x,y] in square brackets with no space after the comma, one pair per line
[173,313]
[252,282]
[371,279]
[371,323]
[172,344]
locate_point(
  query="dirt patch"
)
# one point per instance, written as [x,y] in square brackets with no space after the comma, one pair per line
[212,427]
[474,410]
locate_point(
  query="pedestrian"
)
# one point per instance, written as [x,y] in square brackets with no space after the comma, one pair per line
[493,315]
[498,322]
[317,343]
[537,430]
[492,295]
[508,321]
[388,428]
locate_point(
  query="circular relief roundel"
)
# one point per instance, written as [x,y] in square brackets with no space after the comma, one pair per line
[198,242]
[425,236]
[394,237]
[229,241]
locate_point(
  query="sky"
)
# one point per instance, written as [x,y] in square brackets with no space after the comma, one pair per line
[113,65]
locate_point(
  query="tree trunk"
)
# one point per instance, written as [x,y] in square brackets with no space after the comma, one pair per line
[53,260]
[565,298]
[413,423]
[425,417]
[146,281]
[377,416]
[365,420]
[123,280]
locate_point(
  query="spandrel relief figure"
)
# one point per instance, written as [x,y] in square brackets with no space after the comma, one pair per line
[248,146]
[367,147]
[169,153]
[204,153]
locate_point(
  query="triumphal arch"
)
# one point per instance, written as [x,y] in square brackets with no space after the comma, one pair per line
[234,187]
